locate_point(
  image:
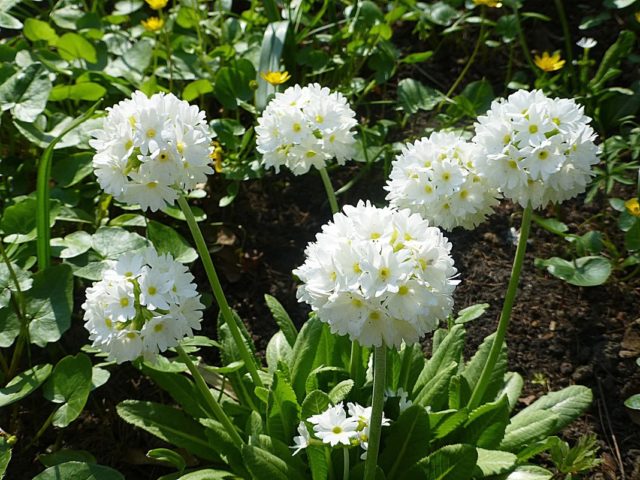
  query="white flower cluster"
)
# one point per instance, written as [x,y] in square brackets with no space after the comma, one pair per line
[143,305]
[149,149]
[437,178]
[536,149]
[334,427]
[380,275]
[305,127]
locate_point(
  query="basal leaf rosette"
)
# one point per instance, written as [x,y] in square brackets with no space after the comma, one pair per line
[379,275]
[144,304]
[437,177]
[149,150]
[305,127]
[537,149]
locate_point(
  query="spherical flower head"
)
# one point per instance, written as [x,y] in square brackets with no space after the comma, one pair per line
[536,149]
[305,127]
[437,177]
[379,275]
[144,304]
[151,149]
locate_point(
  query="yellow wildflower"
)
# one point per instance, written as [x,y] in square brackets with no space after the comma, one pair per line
[637,15]
[152,24]
[157,4]
[216,156]
[488,3]
[549,63]
[275,78]
[633,207]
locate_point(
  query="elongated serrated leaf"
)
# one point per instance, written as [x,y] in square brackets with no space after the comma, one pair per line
[69,384]
[528,428]
[23,384]
[278,350]
[407,441]
[512,388]
[282,409]
[181,389]
[473,369]
[340,391]
[315,403]
[471,313]
[304,352]
[448,350]
[444,422]
[79,471]
[530,472]
[282,318]
[486,424]
[263,464]
[494,462]
[206,474]
[619,50]
[568,403]
[168,424]
[434,394]
[453,462]
[222,443]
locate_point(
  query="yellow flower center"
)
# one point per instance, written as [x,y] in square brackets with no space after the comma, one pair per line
[124,302]
[158,327]
[403,290]
[296,127]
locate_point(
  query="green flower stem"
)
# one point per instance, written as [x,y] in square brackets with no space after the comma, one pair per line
[523,42]
[213,404]
[568,45]
[496,347]
[355,363]
[331,195]
[216,287]
[375,425]
[345,463]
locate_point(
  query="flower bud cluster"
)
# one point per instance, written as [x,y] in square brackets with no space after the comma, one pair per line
[150,149]
[437,177]
[305,127]
[379,275]
[144,304]
[536,149]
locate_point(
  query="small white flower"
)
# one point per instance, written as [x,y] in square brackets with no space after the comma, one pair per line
[137,310]
[151,148]
[379,275]
[536,149]
[334,427]
[305,127]
[301,441]
[586,43]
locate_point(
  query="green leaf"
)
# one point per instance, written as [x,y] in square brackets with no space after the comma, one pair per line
[479,94]
[407,440]
[263,464]
[633,402]
[530,472]
[168,424]
[282,409]
[270,53]
[278,350]
[72,46]
[486,424]
[66,455]
[80,91]
[50,304]
[35,30]
[169,456]
[196,89]
[282,318]
[304,352]
[233,83]
[168,240]
[221,442]
[76,243]
[9,21]
[206,474]
[26,92]
[79,471]
[7,284]
[315,403]
[340,391]
[435,392]
[612,58]
[473,369]
[471,313]
[632,237]
[24,384]
[583,272]
[19,219]
[10,326]
[417,57]
[69,384]
[546,416]
[72,169]
[453,462]
[494,462]
[449,350]
[112,242]
[414,96]
[512,388]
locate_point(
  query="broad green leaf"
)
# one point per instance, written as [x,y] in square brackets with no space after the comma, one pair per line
[5,456]
[93,270]
[453,462]
[528,428]
[444,422]
[270,52]
[435,392]
[282,318]
[69,384]
[112,242]
[76,243]
[196,89]
[23,384]
[315,403]
[9,21]
[72,169]
[447,351]
[35,30]
[486,424]
[278,350]
[304,352]
[72,46]
[414,96]
[50,304]
[222,443]
[66,455]
[206,474]
[340,391]
[479,94]
[99,376]
[632,237]
[512,388]
[80,91]
[283,410]
[494,462]
[530,472]
[553,225]
[263,464]
[407,440]
[583,272]
[9,326]
[168,424]
[8,285]
[471,313]
[633,402]
[233,83]
[473,369]
[20,219]
[168,240]
[26,92]
[79,471]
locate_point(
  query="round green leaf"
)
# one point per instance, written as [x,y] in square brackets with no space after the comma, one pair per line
[79,471]
[23,384]
[584,272]
[35,30]
[81,91]
[72,46]
[633,402]
[69,384]
[196,88]
[167,240]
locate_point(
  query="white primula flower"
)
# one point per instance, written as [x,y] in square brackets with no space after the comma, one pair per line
[305,127]
[536,149]
[301,441]
[142,306]
[437,178]
[334,427]
[150,149]
[379,275]
[586,43]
